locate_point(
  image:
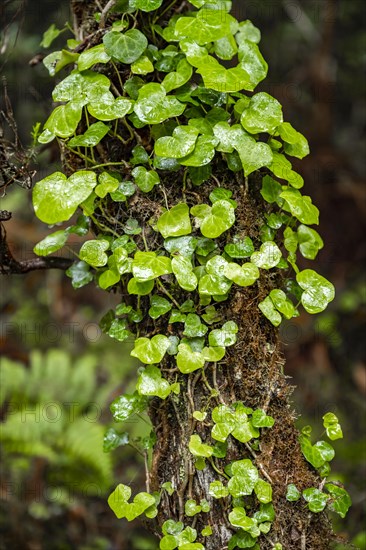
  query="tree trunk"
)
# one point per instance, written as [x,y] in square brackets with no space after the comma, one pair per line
[252,370]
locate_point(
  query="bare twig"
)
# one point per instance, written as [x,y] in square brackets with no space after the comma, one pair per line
[109,5]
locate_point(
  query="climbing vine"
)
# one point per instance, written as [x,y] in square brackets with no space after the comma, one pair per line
[159,104]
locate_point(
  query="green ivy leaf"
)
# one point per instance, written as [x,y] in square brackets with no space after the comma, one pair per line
[147,266]
[183,246]
[55,198]
[226,47]
[80,274]
[180,144]
[191,508]
[182,269]
[268,309]
[188,360]
[153,106]
[110,108]
[197,448]
[51,243]
[268,255]
[151,383]
[93,252]
[193,326]
[244,275]
[296,144]
[64,120]
[145,179]
[202,154]
[96,54]
[125,47]
[318,292]
[242,539]
[152,350]
[213,354]
[340,500]
[261,420]
[310,242]
[86,87]
[281,303]
[316,500]
[50,35]
[56,61]
[142,66]
[159,306]
[247,31]
[108,278]
[216,219]
[263,114]
[218,490]
[251,60]
[244,479]
[224,337]
[239,518]
[207,26]
[127,405]
[263,490]
[271,189]
[118,502]
[332,426]
[140,288]
[301,207]
[94,134]
[112,440]
[292,494]
[175,222]
[177,78]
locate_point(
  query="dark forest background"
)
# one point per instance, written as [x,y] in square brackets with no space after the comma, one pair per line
[316,55]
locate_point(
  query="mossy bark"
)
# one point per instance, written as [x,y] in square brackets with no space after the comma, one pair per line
[252,370]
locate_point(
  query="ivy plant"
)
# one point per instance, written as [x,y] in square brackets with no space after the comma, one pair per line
[158,104]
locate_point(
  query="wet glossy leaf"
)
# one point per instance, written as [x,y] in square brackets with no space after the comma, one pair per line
[193,326]
[198,448]
[179,77]
[180,144]
[140,288]
[159,306]
[218,490]
[247,31]
[142,66]
[261,420]
[217,219]
[225,336]
[203,153]
[107,184]
[213,353]
[150,351]
[153,106]
[226,47]
[112,440]
[147,266]
[301,207]
[109,108]
[55,198]
[93,135]
[151,383]
[188,360]
[191,508]
[118,502]
[216,77]
[96,54]
[85,87]
[51,243]
[332,426]
[292,494]
[310,242]
[207,26]
[263,490]
[296,144]
[50,35]
[145,179]
[271,189]
[93,252]
[175,222]
[316,499]
[239,518]
[318,291]
[108,278]
[80,274]
[268,255]
[64,120]
[268,309]
[58,60]
[127,405]
[244,275]
[125,47]
[251,60]
[184,246]
[340,500]
[263,114]
[281,303]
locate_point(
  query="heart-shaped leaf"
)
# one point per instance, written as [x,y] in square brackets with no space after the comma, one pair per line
[251,60]
[180,144]
[153,106]
[147,266]
[198,448]
[188,360]
[151,383]
[55,198]
[150,351]
[145,179]
[125,47]
[179,77]
[263,114]
[318,291]
[93,252]
[94,134]
[51,243]
[175,222]
[96,54]
[110,108]
[64,120]
[268,255]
